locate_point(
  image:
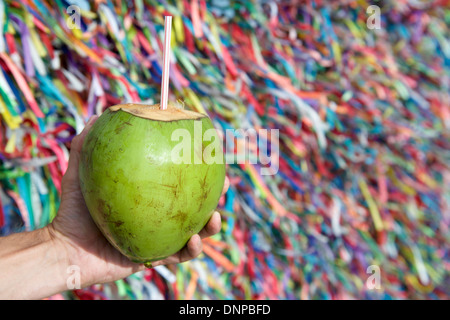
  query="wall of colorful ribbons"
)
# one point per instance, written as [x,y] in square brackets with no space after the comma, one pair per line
[358,91]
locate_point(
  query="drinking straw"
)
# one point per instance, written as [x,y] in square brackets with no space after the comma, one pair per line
[166,62]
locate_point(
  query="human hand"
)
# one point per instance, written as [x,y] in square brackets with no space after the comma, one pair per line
[76,233]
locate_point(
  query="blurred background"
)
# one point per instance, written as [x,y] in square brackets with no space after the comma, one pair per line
[359,206]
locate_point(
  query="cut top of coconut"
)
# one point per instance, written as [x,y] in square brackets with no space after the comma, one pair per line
[153,112]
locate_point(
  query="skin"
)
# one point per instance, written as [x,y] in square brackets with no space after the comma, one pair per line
[35,264]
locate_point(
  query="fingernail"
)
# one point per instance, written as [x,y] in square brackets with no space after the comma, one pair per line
[198,241]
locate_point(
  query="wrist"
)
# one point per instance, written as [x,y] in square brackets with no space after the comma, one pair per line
[71,257]
[33,265]
[62,252]
[55,262]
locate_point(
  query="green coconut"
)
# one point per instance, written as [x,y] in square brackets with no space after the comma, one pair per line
[150,179]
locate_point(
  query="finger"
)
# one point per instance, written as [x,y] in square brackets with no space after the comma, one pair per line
[195,246]
[77,142]
[71,175]
[192,249]
[226,185]
[212,227]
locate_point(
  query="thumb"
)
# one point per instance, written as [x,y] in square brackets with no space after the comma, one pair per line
[70,178]
[77,141]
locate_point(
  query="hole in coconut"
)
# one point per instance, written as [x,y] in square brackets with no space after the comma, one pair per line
[153,112]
